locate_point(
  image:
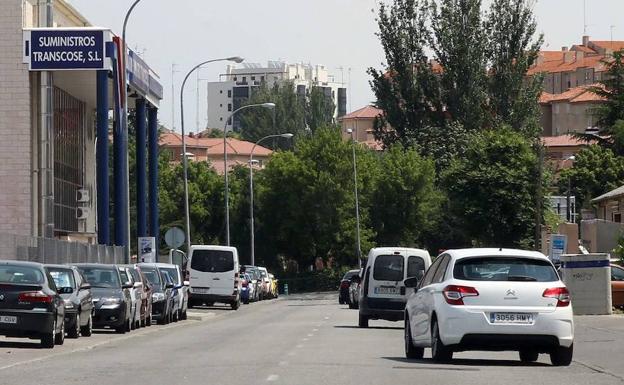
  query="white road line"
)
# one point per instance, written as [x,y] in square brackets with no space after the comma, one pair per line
[310,335]
[299,346]
[315,330]
[272,377]
[305,339]
[283,363]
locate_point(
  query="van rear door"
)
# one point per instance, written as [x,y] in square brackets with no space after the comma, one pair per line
[386,276]
[212,271]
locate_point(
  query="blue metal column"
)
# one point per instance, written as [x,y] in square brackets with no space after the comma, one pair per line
[120,148]
[152,123]
[101,153]
[140,168]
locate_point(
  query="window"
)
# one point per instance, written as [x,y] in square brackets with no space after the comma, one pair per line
[439,274]
[428,278]
[415,267]
[229,93]
[617,273]
[151,275]
[20,274]
[220,91]
[504,269]
[173,273]
[220,105]
[617,217]
[220,119]
[261,78]
[235,78]
[253,78]
[101,277]
[229,106]
[62,277]
[389,268]
[244,79]
[349,275]
[212,261]
[124,276]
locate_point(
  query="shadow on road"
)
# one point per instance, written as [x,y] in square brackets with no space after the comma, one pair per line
[20,345]
[460,362]
[370,327]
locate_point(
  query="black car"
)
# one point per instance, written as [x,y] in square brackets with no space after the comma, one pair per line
[78,299]
[111,297]
[343,295]
[30,304]
[163,302]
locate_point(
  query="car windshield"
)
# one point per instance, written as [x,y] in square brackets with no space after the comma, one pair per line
[62,277]
[135,275]
[101,277]
[173,273]
[388,268]
[152,276]
[20,274]
[350,275]
[504,269]
[212,261]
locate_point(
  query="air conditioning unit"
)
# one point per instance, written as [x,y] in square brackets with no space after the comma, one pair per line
[82,196]
[82,212]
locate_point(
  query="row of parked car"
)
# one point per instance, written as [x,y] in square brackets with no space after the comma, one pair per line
[48,302]
[468,299]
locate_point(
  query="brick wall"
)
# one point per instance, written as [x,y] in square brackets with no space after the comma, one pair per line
[15,124]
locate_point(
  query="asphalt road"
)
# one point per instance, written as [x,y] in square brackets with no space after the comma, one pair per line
[307,339]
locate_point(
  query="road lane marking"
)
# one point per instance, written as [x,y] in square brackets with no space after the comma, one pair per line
[272,377]
[283,363]
[299,346]
[305,339]
[310,335]
[315,330]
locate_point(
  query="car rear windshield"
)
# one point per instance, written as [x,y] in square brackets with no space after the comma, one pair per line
[212,261]
[173,273]
[101,277]
[151,275]
[350,274]
[504,269]
[388,268]
[62,277]
[20,274]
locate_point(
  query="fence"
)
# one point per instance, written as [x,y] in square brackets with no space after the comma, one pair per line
[50,250]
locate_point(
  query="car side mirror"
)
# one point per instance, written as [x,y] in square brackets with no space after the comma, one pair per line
[411,282]
[127,285]
[356,279]
[85,286]
[187,283]
[65,290]
[169,286]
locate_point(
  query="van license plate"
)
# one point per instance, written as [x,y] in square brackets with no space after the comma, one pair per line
[512,318]
[386,290]
[200,290]
[5,319]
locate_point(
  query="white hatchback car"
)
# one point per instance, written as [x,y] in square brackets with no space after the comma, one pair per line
[493,300]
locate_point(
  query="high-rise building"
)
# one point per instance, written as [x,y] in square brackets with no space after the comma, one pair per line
[238,83]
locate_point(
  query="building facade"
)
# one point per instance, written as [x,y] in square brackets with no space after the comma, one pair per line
[238,83]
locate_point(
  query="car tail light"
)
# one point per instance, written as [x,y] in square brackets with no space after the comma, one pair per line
[344,284]
[454,295]
[560,293]
[35,296]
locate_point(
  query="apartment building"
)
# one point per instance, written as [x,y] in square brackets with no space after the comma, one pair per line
[238,83]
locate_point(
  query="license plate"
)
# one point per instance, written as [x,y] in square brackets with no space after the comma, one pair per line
[5,319]
[386,290]
[200,290]
[512,318]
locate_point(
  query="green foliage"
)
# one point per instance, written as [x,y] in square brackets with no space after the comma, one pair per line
[596,171]
[492,189]
[612,90]
[618,251]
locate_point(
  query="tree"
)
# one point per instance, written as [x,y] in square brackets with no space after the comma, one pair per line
[459,42]
[405,201]
[596,171]
[407,89]
[611,89]
[491,190]
[512,48]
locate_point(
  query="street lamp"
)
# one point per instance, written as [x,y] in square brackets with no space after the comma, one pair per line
[187,216]
[225,168]
[251,192]
[357,203]
[568,198]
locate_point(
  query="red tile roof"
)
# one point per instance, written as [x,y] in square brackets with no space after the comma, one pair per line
[581,94]
[213,145]
[607,44]
[559,65]
[564,141]
[368,112]
[584,49]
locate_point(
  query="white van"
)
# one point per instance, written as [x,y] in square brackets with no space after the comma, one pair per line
[382,291]
[213,275]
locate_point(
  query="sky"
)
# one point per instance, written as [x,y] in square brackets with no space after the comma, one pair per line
[336,33]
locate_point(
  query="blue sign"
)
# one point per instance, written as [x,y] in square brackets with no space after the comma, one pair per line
[65,50]
[155,88]
[138,72]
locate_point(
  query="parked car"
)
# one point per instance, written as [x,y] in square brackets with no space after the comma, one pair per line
[176,298]
[214,275]
[382,293]
[182,287]
[343,291]
[354,291]
[163,304]
[146,295]
[76,293]
[245,288]
[617,285]
[274,286]
[135,295]
[265,283]
[30,304]
[490,299]
[255,283]
[111,296]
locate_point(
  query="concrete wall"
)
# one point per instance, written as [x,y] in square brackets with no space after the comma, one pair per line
[15,123]
[600,236]
[362,129]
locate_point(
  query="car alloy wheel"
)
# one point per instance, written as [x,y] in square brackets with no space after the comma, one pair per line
[439,352]
[87,330]
[411,351]
[75,331]
[59,339]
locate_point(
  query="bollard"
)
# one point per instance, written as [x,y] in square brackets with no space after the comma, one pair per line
[285,289]
[588,278]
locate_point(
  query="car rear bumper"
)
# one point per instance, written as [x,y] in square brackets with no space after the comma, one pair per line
[389,309]
[465,327]
[29,324]
[109,317]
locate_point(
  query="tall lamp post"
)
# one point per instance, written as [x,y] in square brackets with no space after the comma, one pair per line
[187,217]
[568,198]
[251,192]
[357,203]
[225,168]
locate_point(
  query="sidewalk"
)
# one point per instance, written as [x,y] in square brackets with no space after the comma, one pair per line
[599,343]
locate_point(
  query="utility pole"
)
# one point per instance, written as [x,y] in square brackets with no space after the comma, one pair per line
[173,72]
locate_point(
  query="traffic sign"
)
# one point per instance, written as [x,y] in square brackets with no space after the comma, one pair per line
[174,237]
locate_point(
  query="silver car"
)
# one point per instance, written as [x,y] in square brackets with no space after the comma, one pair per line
[175,272]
